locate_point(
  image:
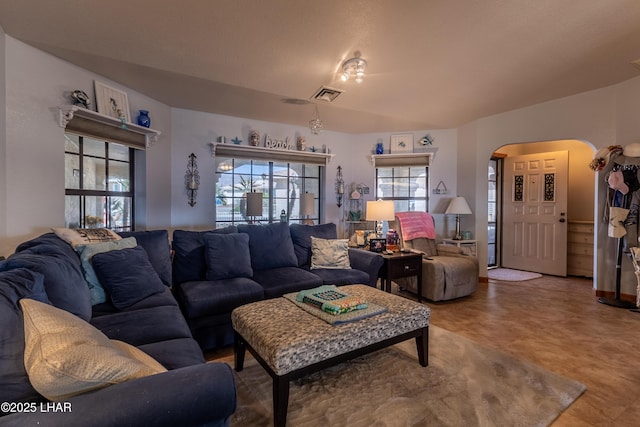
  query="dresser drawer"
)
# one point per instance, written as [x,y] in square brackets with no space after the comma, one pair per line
[404,266]
[580,227]
[580,249]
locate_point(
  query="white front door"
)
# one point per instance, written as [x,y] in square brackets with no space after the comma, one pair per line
[534,228]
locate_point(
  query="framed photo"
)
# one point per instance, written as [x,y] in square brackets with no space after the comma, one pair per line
[402,143]
[112,102]
[377,245]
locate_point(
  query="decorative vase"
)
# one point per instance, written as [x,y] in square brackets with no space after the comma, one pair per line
[379,148]
[144,119]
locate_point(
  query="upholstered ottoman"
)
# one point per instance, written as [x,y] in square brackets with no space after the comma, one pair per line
[289,342]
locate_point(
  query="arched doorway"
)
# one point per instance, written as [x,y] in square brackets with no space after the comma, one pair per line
[580,198]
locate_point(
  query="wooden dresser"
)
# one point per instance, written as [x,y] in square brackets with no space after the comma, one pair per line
[580,248]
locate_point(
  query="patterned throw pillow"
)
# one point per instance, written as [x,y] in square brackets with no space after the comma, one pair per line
[330,253]
[66,356]
[85,236]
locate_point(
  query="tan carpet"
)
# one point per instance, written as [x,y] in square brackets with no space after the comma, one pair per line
[510,275]
[464,385]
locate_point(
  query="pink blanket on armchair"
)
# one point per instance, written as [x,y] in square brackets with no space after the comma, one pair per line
[416,224]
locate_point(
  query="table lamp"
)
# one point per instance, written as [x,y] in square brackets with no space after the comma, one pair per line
[380,210]
[458,206]
[254,206]
[307,207]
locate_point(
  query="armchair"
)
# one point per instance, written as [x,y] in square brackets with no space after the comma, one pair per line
[447,273]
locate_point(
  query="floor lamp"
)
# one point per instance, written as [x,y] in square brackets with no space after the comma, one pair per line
[458,206]
[254,206]
[307,207]
[380,210]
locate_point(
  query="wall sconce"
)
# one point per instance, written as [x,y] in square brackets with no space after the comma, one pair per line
[339,186]
[307,207]
[192,179]
[254,206]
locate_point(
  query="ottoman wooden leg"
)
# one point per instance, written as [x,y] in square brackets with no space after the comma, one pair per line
[422,344]
[240,348]
[280,400]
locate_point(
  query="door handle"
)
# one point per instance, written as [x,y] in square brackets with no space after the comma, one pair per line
[562,220]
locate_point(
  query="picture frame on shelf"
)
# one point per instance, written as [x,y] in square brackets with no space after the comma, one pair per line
[112,102]
[401,143]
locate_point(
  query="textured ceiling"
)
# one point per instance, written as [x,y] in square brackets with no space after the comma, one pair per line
[432,64]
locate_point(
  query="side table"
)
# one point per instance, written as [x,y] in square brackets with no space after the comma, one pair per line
[470,247]
[398,265]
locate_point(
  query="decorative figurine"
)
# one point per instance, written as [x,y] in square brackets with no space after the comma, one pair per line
[254,138]
[301,143]
[80,98]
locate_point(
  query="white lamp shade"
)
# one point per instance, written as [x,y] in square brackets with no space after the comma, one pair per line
[381,210]
[458,206]
[307,204]
[254,204]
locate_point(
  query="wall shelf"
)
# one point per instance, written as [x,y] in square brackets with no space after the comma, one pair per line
[404,159]
[247,151]
[92,123]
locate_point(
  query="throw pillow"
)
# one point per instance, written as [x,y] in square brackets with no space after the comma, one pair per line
[85,236]
[66,356]
[227,256]
[270,245]
[127,275]
[301,236]
[87,252]
[330,253]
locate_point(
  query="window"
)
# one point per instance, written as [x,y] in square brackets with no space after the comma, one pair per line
[280,182]
[99,187]
[493,200]
[407,186]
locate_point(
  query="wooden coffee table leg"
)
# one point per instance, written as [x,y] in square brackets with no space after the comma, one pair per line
[422,344]
[240,348]
[280,400]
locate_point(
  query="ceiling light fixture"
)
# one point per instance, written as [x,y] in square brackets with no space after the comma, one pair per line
[315,124]
[353,67]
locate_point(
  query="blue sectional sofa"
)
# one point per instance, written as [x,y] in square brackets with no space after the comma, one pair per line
[47,269]
[218,270]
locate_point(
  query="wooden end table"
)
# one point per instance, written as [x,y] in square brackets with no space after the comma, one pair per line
[398,265]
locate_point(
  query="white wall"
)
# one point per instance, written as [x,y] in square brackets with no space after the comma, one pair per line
[36,83]
[601,117]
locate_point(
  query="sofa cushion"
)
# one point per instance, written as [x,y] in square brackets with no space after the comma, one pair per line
[87,252]
[85,236]
[203,298]
[175,353]
[66,356]
[156,243]
[189,254]
[301,236]
[270,245]
[342,277]
[144,326]
[279,281]
[227,256]
[63,279]
[14,285]
[329,253]
[127,276]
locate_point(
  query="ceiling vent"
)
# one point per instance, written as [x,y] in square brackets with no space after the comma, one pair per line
[326,94]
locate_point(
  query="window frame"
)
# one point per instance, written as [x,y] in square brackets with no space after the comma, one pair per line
[106,193]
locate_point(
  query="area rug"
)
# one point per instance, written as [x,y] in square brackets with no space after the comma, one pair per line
[465,384]
[510,275]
